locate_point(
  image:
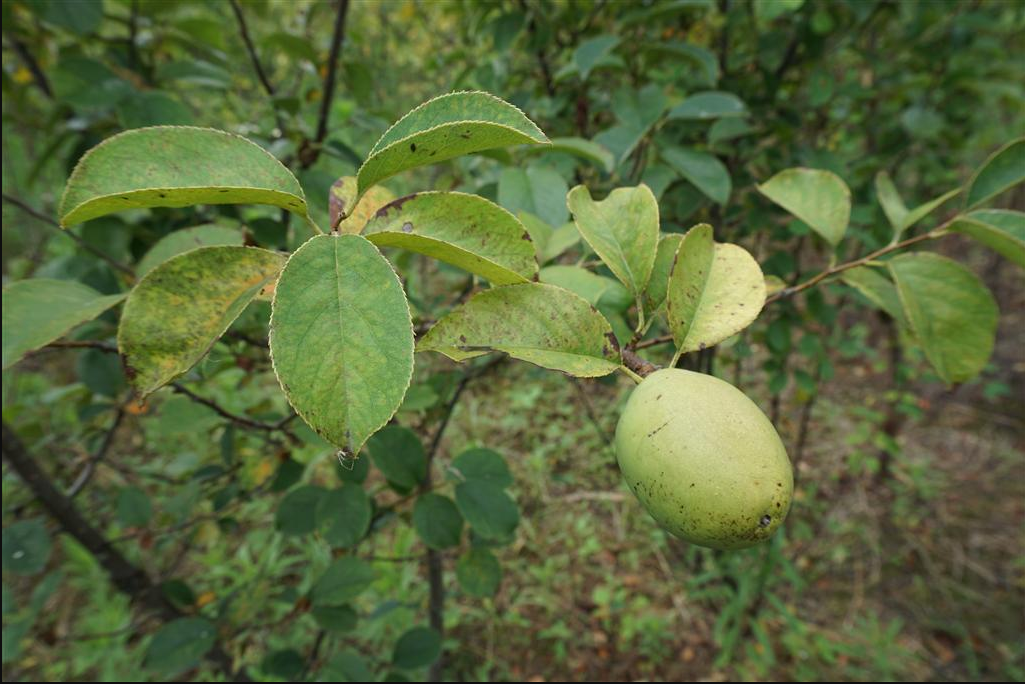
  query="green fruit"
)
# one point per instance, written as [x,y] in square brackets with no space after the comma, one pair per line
[704,460]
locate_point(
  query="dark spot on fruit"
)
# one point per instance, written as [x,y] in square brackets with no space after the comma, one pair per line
[765,521]
[412,147]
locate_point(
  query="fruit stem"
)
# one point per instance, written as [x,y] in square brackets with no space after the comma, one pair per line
[633,376]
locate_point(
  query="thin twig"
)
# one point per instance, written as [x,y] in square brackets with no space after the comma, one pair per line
[883,251]
[233,417]
[90,467]
[261,75]
[435,569]
[277,426]
[38,76]
[128,578]
[20,204]
[310,157]
[243,28]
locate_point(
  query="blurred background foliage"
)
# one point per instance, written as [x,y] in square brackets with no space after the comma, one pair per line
[904,555]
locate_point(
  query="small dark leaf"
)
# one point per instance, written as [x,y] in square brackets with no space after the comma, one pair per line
[418,647]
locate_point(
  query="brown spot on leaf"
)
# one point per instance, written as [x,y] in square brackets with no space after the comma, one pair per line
[394,204]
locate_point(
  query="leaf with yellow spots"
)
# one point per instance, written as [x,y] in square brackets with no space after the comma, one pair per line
[341,338]
[180,308]
[340,203]
[715,291]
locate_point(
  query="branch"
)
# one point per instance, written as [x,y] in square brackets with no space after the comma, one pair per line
[234,417]
[30,63]
[243,28]
[280,425]
[20,204]
[251,49]
[128,578]
[933,234]
[829,272]
[83,478]
[435,577]
[311,149]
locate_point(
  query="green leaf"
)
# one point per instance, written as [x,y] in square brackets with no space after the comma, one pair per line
[706,61]
[999,229]
[179,309]
[181,241]
[636,111]
[920,212]
[466,231]
[704,171]
[341,338]
[345,579]
[579,147]
[893,206]
[179,645]
[152,108]
[658,284]
[346,666]
[342,197]
[819,198]
[335,618]
[418,647]
[537,189]
[443,128]
[479,573]
[728,129]
[38,311]
[399,454]
[176,166]
[133,507]
[707,105]
[715,291]
[87,84]
[487,508]
[563,237]
[767,10]
[588,285]
[878,289]
[951,312]
[82,18]
[543,324]
[622,229]
[437,521]
[1004,169]
[284,664]
[343,515]
[26,547]
[481,464]
[297,512]
[591,52]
